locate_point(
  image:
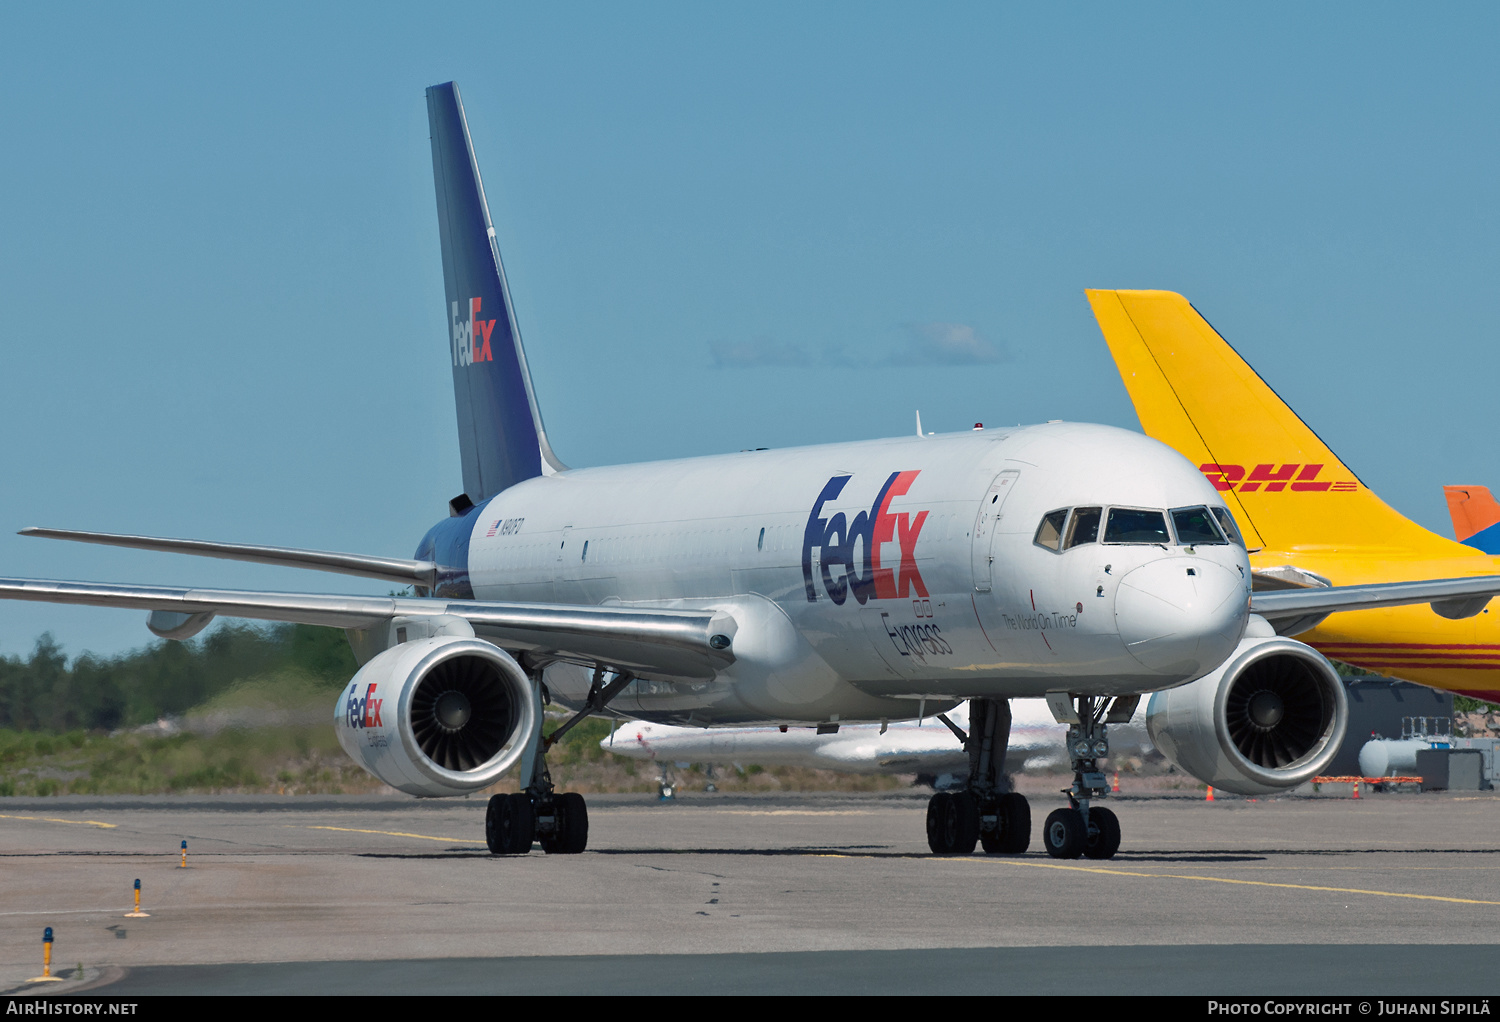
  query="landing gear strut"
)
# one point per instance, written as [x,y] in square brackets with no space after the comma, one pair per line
[1082,828]
[537,812]
[666,783]
[980,813]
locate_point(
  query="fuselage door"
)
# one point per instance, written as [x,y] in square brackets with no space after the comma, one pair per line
[985,524]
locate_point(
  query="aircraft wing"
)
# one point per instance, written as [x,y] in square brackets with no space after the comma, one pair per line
[387,569]
[1453,598]
[674,643]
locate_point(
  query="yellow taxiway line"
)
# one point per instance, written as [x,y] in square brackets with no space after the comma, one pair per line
[54,819]
[392,833]
[794,812]
[1205,879]
[1231,880]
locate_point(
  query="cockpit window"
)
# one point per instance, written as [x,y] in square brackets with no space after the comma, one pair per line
[1084,527]
[1132,525]
[1226,522]
[1195,527]
[1049,533]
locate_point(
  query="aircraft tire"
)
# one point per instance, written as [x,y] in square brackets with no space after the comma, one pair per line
[952,823]
[1064,834]
[572,834]
[510,824]
[1012,835]
[1103,840]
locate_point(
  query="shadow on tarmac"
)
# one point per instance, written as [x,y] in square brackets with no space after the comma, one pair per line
[1204,970]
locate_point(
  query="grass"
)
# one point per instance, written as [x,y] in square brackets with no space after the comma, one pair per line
[259,736]
[274,735]
[303,759]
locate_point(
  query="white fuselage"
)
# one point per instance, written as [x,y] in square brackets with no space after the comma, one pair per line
[854,606]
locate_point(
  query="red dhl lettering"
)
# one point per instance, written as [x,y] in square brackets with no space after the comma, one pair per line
[1271,478]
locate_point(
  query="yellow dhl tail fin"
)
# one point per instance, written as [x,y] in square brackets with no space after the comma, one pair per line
[1193,392]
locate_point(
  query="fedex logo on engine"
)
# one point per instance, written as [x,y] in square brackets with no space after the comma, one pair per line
[1298,477]
[471,337]
[852,554]
[362,711]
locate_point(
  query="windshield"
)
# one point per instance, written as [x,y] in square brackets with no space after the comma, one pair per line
[1131,525]
[1084,526]
[1226,522]
[1049,533]
[1195,527]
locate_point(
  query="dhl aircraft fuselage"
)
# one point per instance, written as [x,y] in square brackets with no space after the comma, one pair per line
[1300,506]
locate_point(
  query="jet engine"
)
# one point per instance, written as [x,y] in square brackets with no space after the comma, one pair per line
[437,716]
[1271,717]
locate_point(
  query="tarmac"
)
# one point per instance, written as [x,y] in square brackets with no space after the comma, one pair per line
[1394,893]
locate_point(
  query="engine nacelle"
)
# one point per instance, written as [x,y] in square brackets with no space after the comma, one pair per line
[1271,717]
[438,716]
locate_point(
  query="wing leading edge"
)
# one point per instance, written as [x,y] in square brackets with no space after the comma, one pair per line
[387,569]
[644,641]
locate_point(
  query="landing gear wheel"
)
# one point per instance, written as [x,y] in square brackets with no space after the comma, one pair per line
[1064,834]
[510,824]
[1012,833]
[572,834]
[1104,834]
[952,823]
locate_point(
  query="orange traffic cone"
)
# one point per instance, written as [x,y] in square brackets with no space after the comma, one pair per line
[1356,789]
[1210,794]
[1117,781]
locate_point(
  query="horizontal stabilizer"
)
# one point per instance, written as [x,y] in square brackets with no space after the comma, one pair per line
[1450,597]
[671,643]
[387,569]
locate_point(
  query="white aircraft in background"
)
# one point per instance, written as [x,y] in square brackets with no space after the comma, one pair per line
[929,746]
[815,586]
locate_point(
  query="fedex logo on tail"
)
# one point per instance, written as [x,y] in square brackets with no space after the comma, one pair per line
[471,337]
[1298,478]
[851,553]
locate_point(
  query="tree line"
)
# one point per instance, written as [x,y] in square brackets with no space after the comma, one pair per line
[44,693]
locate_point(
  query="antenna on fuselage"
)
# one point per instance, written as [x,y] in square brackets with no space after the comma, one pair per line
[919,422]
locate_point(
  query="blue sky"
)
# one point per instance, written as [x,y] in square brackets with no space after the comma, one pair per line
[725,226]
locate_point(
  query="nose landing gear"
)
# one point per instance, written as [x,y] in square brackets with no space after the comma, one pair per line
[1083,829]
[980,813]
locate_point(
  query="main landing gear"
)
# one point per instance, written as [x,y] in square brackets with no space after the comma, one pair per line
[980,813]
[1082,828]
[536,812]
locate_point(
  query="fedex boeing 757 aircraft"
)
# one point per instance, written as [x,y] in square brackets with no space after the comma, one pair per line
[866,581]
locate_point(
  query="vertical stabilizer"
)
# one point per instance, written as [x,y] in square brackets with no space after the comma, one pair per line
[1476,517]
[500,434]
[1194,392]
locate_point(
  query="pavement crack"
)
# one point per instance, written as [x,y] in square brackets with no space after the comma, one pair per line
[665,869]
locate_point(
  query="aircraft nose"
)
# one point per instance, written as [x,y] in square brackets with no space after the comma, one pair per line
[1181,616]
[628,740]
